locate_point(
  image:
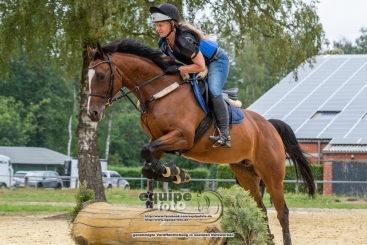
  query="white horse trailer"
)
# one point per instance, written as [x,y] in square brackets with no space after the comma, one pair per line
[71,169]
[6,171]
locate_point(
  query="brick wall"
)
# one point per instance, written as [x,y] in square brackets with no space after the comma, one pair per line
[344,157]
[312,147]
[328,176]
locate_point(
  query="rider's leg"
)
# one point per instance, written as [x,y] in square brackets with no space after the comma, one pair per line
[217,75]
[221,114]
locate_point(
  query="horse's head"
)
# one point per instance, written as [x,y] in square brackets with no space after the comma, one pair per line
[101,83]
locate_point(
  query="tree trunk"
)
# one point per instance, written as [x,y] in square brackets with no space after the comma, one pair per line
[108,136]
[70,134]
[100,223]
[71,122]
[88,152]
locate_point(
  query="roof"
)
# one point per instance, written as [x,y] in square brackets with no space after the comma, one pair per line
[32,155]
[329,101]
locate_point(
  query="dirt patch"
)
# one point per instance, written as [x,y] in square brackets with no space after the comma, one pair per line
[34,229]
[59,216]
[307,226]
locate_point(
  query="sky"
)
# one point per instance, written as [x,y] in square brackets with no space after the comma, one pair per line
[342,18]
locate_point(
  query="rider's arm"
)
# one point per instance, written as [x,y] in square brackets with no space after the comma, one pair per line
[188,43]
[198,65]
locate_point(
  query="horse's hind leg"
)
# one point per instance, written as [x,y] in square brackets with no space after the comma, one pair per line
[274,184]
[276,191]
[249,180]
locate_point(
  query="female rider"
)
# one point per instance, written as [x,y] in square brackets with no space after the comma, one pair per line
[188,45]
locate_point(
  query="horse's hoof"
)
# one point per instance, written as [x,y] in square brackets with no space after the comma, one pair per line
[287,238]
[182,178]
[171,169]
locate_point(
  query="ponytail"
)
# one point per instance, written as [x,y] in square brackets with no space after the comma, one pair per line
[196,30]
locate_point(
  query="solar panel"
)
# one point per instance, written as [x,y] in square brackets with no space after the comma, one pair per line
[328,101]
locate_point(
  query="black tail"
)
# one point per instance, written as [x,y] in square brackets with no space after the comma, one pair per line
[294,151]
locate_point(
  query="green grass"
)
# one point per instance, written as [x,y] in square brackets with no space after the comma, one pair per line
[37,200]
[33,208]
[320,201]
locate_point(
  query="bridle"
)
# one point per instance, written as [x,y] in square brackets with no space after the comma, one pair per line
[109,93]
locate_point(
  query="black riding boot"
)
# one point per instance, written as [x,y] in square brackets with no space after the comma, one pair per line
[221,113]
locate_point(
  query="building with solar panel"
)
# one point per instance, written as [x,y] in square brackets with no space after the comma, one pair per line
[326,108]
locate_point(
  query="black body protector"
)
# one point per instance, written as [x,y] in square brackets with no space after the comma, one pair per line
[186,46]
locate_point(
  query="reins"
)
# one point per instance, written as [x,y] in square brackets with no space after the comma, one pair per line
[109,93]
[143,104]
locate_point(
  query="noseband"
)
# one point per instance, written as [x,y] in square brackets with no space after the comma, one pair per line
[109,93]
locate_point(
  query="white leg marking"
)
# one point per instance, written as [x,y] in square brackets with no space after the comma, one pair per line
[91,73]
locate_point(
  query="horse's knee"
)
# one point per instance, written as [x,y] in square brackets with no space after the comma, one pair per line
[148,172]
[145,152]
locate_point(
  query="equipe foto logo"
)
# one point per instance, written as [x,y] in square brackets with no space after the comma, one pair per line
[207,203]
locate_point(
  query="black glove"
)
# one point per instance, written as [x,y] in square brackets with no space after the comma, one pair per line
[172,69]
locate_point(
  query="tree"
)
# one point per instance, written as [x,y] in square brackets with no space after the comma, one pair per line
[347,46]
[285,29]
[46,30]
[46,95]
[15,129]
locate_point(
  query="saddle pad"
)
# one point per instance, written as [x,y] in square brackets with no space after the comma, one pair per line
[236,115]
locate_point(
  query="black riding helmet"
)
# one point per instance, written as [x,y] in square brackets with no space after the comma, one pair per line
[164,12]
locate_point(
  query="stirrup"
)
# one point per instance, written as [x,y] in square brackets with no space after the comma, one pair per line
[220,141]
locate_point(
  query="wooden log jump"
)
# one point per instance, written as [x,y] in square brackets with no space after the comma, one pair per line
[101,223]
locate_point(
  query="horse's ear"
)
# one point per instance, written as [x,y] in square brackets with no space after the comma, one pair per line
[100,50]
[90,52]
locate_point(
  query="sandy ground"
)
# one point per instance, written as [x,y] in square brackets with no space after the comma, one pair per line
[308,226]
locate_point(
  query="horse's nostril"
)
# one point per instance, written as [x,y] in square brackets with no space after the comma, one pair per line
[94,114]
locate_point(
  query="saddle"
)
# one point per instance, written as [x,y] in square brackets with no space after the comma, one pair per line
[203,96]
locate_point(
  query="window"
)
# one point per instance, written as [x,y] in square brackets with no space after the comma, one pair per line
[325,114]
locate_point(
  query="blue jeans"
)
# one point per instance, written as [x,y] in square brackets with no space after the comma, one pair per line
[218,72]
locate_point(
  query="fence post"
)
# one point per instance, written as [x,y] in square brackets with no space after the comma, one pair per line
[141,182]
[76,183]
[26,181]
[297,186]
[213,186]
[118,183]
[316,187]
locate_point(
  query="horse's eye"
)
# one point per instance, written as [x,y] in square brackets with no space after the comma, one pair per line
[102,76]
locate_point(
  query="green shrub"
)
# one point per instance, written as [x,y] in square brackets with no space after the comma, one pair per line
[242,217]
[132,172]
[82,195]
[225,172]
[290,174]
[197,173]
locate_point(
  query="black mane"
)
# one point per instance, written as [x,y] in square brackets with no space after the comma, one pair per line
[131,46]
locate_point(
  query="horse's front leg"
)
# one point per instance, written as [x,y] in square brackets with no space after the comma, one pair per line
[172,141]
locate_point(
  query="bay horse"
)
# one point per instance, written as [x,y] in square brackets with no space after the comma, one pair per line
[170,114]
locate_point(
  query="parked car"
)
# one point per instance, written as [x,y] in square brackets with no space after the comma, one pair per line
[44,179]
[110,180]
[18,178]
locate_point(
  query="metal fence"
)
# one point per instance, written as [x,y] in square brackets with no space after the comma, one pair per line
[212,183]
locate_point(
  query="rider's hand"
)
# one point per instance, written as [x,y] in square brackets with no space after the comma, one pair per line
[172,69]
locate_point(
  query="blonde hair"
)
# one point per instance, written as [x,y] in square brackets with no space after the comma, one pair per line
[196,30]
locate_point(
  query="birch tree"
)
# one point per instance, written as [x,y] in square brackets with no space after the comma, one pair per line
[60,30]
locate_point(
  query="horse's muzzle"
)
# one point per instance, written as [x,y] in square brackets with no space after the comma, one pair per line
[95,116]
